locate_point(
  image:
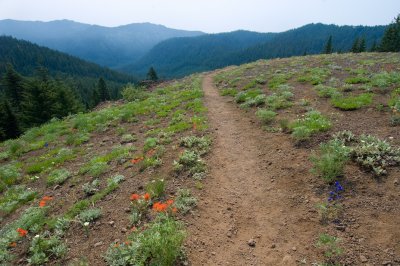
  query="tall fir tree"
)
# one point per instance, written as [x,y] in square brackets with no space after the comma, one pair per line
[104,94]
[328,49]
[13,86]
[391,38]
[374,47]
[362,47]
[9,126]
[356,45]
[152,74]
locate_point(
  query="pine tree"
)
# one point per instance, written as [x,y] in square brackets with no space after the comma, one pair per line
[356,45]
[95,98]
[328,46]
[104,94]
[362,46]
[152,74]
[13,86]
[9,126]
[391,38]
[374,47]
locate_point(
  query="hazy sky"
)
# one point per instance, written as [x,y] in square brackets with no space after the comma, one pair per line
[207,15]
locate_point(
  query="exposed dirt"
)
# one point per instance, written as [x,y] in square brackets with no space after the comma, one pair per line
[254,192]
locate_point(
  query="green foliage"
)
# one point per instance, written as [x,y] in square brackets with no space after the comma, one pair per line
[329,212]
[77,139]
[312,123]
[277,80]
[58,176]
[200,145]
[51,159]
[391,38]
[229,92]
[156,188]
[89,215]
[115,180]
[375,154]
[14,197]
[352,102]
[329,244]
[43,247]
[265,116]
[131,93]
[190,161]
[248,95]
[315,76]
[150,143]
[327,92]
[357,80]
[9,175]
[160,244]
[152,75]
[91,188]
[126,138]
[331,160]
[328,49]
[385,79]
[184,202]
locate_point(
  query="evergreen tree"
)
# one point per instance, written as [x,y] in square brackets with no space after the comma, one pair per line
[152,74]
[362,46]
[95,98]
[9,127]
[374,47]
[356,45]
[104,94]
[13,86]
[328,46]
[391,38]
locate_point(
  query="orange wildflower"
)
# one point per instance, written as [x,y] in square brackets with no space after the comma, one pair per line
[42,203]
[194,126]
[13,244]
[170,201]
[159,206]
[135,197]
[137,160]
[127,242]
[174,210]
[146,196]
[46,198]
[22,232]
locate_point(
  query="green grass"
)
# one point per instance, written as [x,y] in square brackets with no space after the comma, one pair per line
[9,175]
[15,197]
[58,177]
[48,161]
[352,102]
[313,122]
[357,80]
[327,92]
[229,92]
[266,116]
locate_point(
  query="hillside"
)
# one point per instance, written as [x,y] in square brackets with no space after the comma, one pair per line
[182,56]
[26,57]
[217,165]
[107,46]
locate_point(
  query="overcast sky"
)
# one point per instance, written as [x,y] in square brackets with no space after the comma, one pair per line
[207,15]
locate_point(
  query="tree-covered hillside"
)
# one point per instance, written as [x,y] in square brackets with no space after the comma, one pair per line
[181,56]
[107,46]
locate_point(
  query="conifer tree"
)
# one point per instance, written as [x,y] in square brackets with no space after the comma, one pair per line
[9,126]
[374,47]
[13,86]
[152,74]
[362,47]
[104,94]
[355,46]
[391,38]
[328,49]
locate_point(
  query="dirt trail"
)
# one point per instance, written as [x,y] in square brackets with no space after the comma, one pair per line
[254,191]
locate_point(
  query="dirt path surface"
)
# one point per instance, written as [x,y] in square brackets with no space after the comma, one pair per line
[254,193]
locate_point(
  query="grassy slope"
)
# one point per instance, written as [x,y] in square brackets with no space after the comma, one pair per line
[138,140]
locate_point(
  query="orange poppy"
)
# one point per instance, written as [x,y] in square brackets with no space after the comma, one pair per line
[146,196]
[135,197]
[22,232]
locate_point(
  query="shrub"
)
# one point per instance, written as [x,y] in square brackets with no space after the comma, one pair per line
[15,197]
[131,93]
[9,175]
[184,201]
[160,244]
[244,96]
[330,245]
[89,215]
[128,138]
[91,188]
[327,92]
[43,247]
[115,180]
[331,160]
[149,144]
[201,145]
[352,102]
[312,123]
[156,188]
[266,116]
[58,176]
[357,80]
[191,161]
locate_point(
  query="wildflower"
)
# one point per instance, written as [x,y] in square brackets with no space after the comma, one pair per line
[170,201]
[22,232]
[133,229]
[146,196]
[174,210]
[86,224]
[42,203]
[135,197]
[194,126]
[46,198]
[13,244]
[150,153]
[137,160]
[36,236]
[159,206]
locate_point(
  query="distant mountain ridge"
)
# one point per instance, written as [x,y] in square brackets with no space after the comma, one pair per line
[107,46]
[182,56]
